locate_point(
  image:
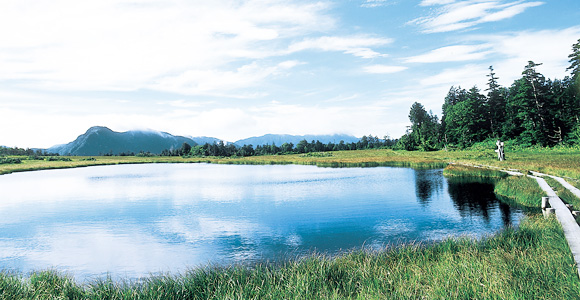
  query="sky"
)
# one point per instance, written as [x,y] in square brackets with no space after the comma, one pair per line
[233,69]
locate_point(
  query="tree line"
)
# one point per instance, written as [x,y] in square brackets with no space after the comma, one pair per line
[532,111]
[228,150]
[15,151]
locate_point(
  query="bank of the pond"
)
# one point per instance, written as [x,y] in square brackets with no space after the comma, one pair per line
[362,158]
[520,191]
[553,162]
[531,262]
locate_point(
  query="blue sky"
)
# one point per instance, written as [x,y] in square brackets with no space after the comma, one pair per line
[235,69]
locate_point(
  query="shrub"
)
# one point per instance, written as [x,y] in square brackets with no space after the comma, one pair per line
[9,160]
[58,158]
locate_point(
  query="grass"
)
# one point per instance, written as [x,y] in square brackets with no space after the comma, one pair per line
[560,162]
[520,191]
[563,193]
[454,170]
[532,262]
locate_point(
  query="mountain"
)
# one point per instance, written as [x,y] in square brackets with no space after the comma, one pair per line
[279,139]
[202,140]
[102,140]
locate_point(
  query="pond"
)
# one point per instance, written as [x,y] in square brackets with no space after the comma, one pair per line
[129,221]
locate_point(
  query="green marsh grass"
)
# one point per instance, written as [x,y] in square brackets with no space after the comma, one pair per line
[532,262]
[563,192]
[455,170]
[559,161]
[522,191]
[360,158]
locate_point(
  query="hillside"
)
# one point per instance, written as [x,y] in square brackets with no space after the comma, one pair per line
[102,140]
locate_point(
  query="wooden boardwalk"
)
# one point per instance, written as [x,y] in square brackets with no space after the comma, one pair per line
[564,216]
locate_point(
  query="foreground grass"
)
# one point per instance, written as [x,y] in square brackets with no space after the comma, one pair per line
[532,262]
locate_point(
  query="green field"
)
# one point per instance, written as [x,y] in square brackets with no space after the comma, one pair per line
[532,261]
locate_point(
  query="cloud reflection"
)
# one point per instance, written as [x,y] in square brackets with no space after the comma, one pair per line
[91,250]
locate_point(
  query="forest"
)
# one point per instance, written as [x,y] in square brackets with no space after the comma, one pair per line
[533,111]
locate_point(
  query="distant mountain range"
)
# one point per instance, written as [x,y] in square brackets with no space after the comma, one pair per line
[100,140]
[279,139]
[200,140]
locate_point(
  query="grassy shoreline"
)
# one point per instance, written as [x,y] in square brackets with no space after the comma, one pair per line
[560,163]
[530,262]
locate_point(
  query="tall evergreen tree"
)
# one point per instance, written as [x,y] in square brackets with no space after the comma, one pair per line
[527,108]
[478,125]
[465,117]
[574,89]
[424,131]
[575,62]
[563,109]
[448,119]
[495,104]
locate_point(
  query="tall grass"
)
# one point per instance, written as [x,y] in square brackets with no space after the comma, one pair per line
[455,170]
[532,262]
[521,191]
[562,192]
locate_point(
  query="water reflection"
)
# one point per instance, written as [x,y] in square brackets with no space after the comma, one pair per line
[474,197]
[426,183]
[133,220]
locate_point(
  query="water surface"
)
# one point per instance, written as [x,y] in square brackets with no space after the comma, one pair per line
[132,220]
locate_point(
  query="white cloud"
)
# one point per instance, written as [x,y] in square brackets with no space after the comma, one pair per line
[184,103]
[126,45]
[355,45]
[512,51]
[453,53]
[435,2]
[508,53]
[357,116]
[383,69]
[465,14]
[466,76]
[194,82]
[375,3]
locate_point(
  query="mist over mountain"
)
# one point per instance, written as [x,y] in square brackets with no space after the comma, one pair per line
[279,139]
[200,140]
[100,140]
